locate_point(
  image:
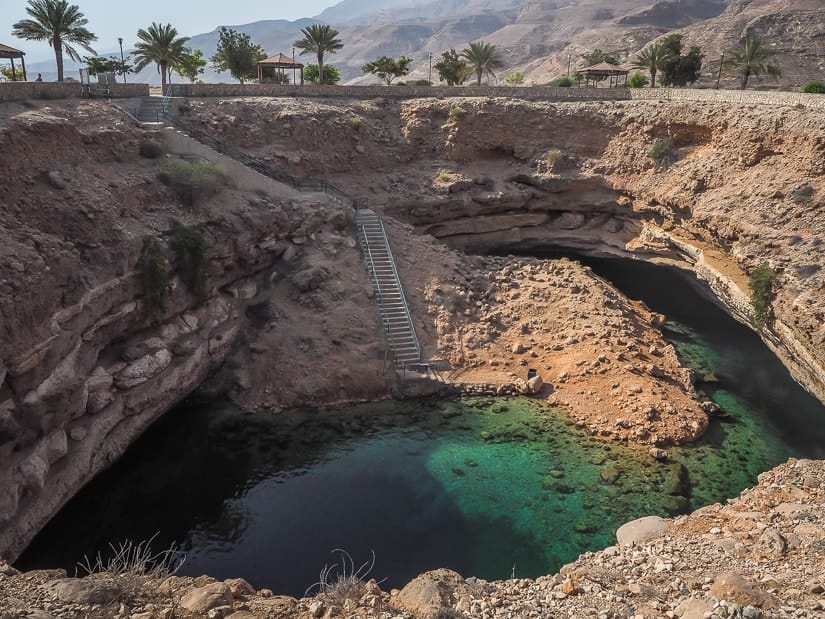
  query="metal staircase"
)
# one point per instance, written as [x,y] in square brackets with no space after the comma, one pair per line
[151,110]
[392,304]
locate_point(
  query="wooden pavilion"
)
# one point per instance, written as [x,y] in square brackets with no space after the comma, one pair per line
[598,72]
[275,65]
[9,53]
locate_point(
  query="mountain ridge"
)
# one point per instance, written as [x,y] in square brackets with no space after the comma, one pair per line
[541,37]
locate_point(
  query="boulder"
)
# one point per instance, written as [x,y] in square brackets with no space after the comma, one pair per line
[534,385]
[238,587]
[640,530]
[733,587]
[32,471]
[85,591]
[143,369]
[771,544]
[693,608]
[426,595]
[54,447]
[202,599]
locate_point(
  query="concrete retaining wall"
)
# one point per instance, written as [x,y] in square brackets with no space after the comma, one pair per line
[736,97]
[179,143]
[21,91]
[550,93]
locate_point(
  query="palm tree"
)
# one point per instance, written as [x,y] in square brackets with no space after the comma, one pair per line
[483,58]
[750,60]
[59,23]
[161,45]
[319,39]
[652,59]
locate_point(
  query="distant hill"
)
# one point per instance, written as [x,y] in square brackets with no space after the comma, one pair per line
[540,37]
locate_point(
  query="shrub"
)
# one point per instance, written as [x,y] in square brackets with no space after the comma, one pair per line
[515,79]
[563,82]
[400,84]
[637,80]
[151,149]
[443,176]
[155,274]
[456,112]
[193,181]
[552,156]
[815,87]
[135,560]
[355,122]
[340,581]
[189,248]
[422,83]
[761,287]
[663,152]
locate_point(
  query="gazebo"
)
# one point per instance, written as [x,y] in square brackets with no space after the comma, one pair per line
[10,53]
[275,65]
[598,72]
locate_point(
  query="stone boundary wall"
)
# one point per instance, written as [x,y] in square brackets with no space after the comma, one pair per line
[551,93]
[21,91]
[737,97]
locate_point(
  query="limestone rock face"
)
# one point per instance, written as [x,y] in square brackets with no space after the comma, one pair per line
[640,530]
[143,369]
[429,593]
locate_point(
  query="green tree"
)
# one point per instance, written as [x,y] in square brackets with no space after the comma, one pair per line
[16,76]
[577,78]
[452,68]
[637,80]
[61,24]
[750,59]
[319,39]
[388,68]
[161,45]
[652,59]
[331,74]
[237,54]
[107,64]
[191,65]
[678,69]
[598,56]
[482,58]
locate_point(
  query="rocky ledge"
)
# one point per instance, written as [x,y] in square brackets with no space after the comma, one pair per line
[761,555]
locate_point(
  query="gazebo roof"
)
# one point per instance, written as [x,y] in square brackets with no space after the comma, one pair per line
[279,60]
[10,52]
[604,68]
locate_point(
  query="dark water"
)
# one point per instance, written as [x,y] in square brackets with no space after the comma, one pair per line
[482,486]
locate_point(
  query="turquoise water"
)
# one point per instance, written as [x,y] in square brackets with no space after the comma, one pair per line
[488,487]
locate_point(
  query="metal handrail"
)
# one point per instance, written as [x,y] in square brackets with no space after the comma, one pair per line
[404,305]
[400,289]
[374,275]
[167,99]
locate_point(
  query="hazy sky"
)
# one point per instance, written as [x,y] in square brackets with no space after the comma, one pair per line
[110,19]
